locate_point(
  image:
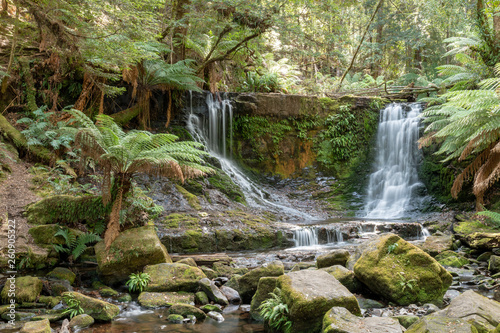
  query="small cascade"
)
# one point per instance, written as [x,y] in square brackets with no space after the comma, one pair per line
[395,179]
[317,235]
[305,236]
[215,132]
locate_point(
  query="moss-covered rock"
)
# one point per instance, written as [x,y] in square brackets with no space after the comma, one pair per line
[228,270]
[81,321]
[187,310]
[302,265]
[58,287]
[156,300]
[407,321]
[175,318]
[50,301]
[25,288]
[344,276]
[61,273]
[212,291]
[41,326]
[248,283]
[482,241]
[44,235]
[340,320]
[18,316]
[173,277]
[99,310]
[209,307]
[210,273]
[188,261]
[201,298]
[266,285]
[192,199]
[401,272]
[494,264]
[451,259]
[437,244]
[104,290]
[52,317]
[129,253]
[310,294]
[336,257]
[67,210]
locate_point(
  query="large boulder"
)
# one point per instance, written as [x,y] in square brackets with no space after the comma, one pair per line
[482,312]
[173,277]
[344,276]
[156,300]
[310,294]
[248,282]
[231,294]
[186,310]
[129,253]
[340,320]
[494,264]
[266,285]
[61,273]
[213,292]
[439,324]
[482,241]
[437,244]
[45,235]
[99,310]
[40,326]
[336,257]
[401,272]
[81,321]
[25,289]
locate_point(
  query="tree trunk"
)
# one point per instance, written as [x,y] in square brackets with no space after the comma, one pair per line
[4,6]
[180,31]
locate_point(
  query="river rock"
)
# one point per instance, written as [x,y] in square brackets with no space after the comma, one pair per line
[216,315]
[266,285]
[211,307]
[452,259]
[61,273]
[58,287]
[434,245]
[52,317]
[494,264]
[27,289]
[344,276]
[472,307]
[248,282]
[336,257]
[404,275]
[175,319]
[439,324]
[99,310]
[40,326]
[81,321]
[129,253]
[156,300]
[482,241]
[407,320]
[210,273]
[213,292]
[302,265]
[228,271]
[186,310]
[485,256]
[232,295]
[310,294]
[340,320]
[173,277]
[188,261]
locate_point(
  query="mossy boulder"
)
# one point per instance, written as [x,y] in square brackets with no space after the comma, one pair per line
[210,307]
[227,270]
[173,277]
[58,287]
[310,294]
[156,300]
[452,259]
[344,276]
[44,235]
[437,244]
[401,272]
[61,273]
[50,301]
[438,324]
[494,264]
[340,320]
[482,241]
[188,261]
[81,321]
[186,310]
[52,317]
[104,290]
[129,253]
[99,310]
[248,283]
[210,273]
[67,210]
[27,289]
[336,257]
[201,298]
[407,321]
[213,292]
[175,318]
[266,285]
[40,326]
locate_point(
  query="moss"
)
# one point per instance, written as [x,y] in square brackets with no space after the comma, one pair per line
[451,259]
[173,277]
[27,289]
[44,235]
[175,318]
[192,199]
[201,298]
[99,310]
[51,301]
[265,286]
[186,310]
[61,273]
[155,300]
[67,210]
[40,326]
[468,227]
[81,321]
[104,290]
[175,220]
[248,283]
[223,183]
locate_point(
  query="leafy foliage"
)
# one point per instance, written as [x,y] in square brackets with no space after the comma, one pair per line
[75,245]
[137,282]
[122,155]
[494,216]
[275,312]
[74,309]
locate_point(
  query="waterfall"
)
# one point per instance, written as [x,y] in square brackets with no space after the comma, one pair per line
[316,235]
[213,131]
[394,181]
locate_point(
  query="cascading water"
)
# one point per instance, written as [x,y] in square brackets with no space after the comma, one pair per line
[393,183]
[212,131]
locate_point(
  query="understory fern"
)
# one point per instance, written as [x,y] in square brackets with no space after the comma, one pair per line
[275,312]
[494,216]
[75,245]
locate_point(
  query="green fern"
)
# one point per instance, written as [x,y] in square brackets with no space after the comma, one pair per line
[494,216]
[275,312]
[75,245]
